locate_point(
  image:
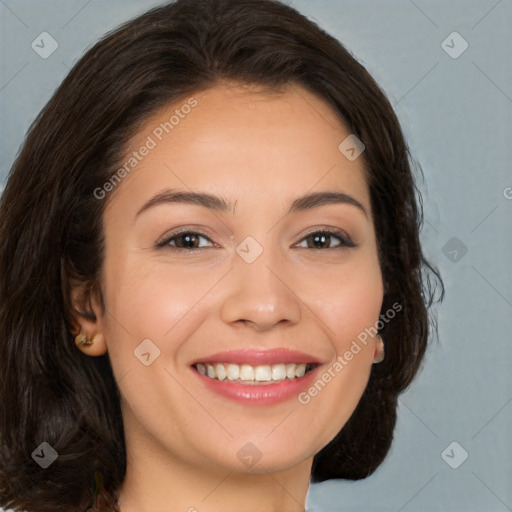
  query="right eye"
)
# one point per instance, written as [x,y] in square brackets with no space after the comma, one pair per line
[184,241]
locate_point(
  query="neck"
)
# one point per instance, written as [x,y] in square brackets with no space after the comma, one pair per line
[154,485]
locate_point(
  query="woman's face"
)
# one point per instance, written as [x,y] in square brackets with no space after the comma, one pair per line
[261,288]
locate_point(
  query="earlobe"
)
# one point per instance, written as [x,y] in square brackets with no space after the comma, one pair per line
[86,312]
[92,346]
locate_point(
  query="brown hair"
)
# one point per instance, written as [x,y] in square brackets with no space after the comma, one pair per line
[51,232]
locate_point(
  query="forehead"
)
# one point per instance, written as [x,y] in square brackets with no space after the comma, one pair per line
[244,142]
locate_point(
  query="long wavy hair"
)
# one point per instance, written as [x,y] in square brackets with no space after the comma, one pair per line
[51,233]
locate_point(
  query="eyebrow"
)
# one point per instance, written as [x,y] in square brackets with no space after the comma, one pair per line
[305,202]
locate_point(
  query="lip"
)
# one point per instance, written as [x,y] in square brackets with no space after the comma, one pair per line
[259,395]
[259,357]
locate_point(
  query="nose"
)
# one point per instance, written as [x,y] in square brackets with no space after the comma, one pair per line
[260,294]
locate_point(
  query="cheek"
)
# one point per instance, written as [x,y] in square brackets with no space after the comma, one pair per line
[348,308]
[151,299]
[356,309]
[348,302]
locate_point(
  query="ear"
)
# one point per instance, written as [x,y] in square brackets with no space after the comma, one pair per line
[379,353]
[87,314]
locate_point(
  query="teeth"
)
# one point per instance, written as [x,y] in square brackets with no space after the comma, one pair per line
[278,372]
[250,374]
[290,371]
[301,370]
[263,373]
[246,372]
[233,371]
[221,371]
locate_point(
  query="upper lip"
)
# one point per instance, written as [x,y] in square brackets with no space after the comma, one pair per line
[259,357]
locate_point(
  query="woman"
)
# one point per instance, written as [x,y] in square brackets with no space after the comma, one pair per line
[212,283]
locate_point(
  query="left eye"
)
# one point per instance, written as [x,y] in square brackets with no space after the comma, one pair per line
[321,239]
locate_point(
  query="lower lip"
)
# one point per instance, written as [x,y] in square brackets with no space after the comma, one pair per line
[259,394]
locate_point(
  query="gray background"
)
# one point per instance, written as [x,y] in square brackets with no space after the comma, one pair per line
[456,114]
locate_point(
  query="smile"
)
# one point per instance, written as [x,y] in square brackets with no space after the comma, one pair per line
[257,377]
[249,374]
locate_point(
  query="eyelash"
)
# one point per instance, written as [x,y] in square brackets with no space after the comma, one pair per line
[345,242]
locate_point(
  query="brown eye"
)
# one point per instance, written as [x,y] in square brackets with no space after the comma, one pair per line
[186,240]
[323,240]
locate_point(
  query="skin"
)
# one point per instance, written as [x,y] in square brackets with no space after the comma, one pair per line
[262,150]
